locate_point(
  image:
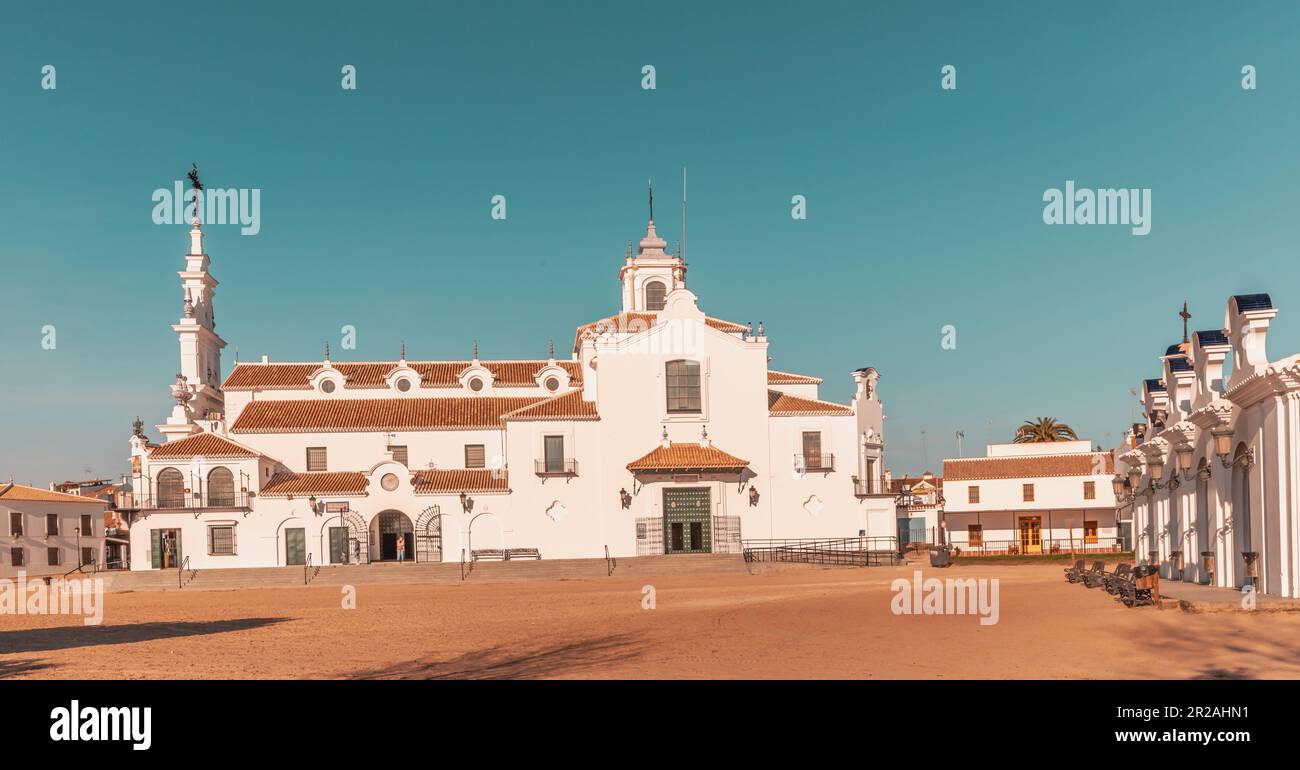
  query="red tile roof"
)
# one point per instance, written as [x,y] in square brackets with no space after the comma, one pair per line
[204,444]
[433,374]
[784,405]
[377,414]
[455,481]
[11,492]
[1041,466]
[332,483]
[570,406]
[640,321]
[687,456]
[785,378]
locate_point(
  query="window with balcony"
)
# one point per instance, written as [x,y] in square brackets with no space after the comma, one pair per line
[554,462]
[812,450]
[221,487]
[683,387]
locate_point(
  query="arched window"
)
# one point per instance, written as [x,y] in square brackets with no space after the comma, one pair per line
[221,487]
[171,489]
[654,295]
[683,381]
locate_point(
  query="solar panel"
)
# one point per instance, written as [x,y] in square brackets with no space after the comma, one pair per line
[1253,302]
[1212,337]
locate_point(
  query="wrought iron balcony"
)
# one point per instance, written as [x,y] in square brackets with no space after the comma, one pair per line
[191,501]
[554,466]
[823,461]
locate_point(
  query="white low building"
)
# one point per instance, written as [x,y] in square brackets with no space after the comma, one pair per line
[664,431]
[48,533]
[1032,498]
[1214,478]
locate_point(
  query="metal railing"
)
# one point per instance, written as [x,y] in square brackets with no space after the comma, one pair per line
[854,551]
[610,563]
[824,461]
[193,501]
[180,571]
[306,565]
[1045,546]
[556,467]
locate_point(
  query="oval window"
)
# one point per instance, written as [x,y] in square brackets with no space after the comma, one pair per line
[476,384]
[327,386]
[552,384]
[389,482]
[403,384]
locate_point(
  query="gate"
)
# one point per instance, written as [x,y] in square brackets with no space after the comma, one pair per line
[428,535]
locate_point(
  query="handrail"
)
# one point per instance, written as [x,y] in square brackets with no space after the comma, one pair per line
[306,566]
[610,564]
[462,564]
[180,571]
[860,551]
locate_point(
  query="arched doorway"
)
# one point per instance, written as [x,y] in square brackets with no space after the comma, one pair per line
[387,531]
[428,535]
[485,533]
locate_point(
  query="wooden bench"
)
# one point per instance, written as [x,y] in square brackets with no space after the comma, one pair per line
[1094,577]
[488,554]
[522,553]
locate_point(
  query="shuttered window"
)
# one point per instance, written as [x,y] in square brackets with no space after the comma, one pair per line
[221,540]
[399,454]
[316,458]
[475,456]
[53,557]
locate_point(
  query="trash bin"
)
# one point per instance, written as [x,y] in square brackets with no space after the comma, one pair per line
[939,557]
[1146,577]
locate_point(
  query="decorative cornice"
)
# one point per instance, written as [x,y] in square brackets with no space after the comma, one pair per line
[1280,377]
[1216,414]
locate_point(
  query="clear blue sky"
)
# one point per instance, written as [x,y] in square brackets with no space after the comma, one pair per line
[925,206]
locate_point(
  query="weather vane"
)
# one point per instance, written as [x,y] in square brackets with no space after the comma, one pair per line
[195,185]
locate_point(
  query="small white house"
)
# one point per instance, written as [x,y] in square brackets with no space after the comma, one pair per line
[1033,498]
[48,533]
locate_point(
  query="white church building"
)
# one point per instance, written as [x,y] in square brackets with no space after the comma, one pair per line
[1213,475]
[663,432]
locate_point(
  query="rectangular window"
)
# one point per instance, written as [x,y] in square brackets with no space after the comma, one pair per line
[15,524]
[316,458]
[51,523]
[221,541]
[16,555]
[475,456]
[399,454]
[554,449]
[975,534]
[1090,532]
[682,379]
[87,525]
[53,557]
[972,494]
[1089,490]
[1027,490]
[812,449]
[87,555]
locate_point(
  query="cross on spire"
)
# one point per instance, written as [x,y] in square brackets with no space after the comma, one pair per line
[651,185]
[1186,316]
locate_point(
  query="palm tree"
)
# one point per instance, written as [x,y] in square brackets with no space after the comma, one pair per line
[1044,429]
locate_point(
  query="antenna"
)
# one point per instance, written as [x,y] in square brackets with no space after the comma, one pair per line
[683,249]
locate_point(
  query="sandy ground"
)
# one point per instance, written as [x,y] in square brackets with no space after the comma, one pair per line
[790,623]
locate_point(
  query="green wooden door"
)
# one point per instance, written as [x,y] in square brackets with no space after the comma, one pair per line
[338,545]
[687,520]
[295,547]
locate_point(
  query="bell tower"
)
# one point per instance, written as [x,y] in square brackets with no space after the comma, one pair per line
[651,273]
[197,389]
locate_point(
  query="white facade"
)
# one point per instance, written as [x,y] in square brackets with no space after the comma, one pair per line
[48,533]
[1032,498]
[664,431]
[1213,475]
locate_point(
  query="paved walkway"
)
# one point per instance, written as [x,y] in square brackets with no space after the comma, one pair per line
[1194,597]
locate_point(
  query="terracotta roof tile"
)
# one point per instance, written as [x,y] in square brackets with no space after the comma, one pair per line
[570,406]
[433,374]
[332,483]
[784,405]
[11,492]
[461,480]
[1041,466]
[687,456]
[785,378]
[377,414]
[201,444]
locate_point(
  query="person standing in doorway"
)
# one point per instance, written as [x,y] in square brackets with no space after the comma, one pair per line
[401,547]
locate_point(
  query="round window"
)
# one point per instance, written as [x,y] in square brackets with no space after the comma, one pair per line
[327,386]
[476,384]
[389,482]
[403,384]
[552,384]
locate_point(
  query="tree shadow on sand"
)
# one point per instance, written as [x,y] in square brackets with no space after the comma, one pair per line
[501,663]
[65,637]
[1255,654]
[13,668]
